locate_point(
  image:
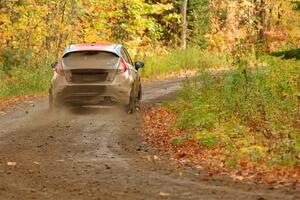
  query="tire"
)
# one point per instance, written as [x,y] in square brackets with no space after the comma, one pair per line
[132,101]
[51,102]
[53,105]
[138,103]
[135,103]
[140,92]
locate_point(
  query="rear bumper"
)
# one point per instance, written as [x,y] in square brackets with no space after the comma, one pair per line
[117,91]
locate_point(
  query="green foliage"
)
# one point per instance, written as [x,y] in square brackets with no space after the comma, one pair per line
[179,60]
[25,82]
[288,54]
[199,22]
[254,153]
[178,140]
[246,108]
[14,58]
[23,73]
[207,139]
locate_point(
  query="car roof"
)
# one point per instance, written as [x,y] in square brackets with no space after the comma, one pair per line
[107,47]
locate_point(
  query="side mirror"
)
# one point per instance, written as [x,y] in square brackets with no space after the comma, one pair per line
[138,65]
[53,65]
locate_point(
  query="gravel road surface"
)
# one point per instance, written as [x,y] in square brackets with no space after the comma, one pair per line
[95,153]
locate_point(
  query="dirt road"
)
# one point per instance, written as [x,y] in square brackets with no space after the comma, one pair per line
[96,153]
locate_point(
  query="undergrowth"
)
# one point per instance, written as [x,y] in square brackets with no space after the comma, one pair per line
[250,114]
[23,73]
[182,60]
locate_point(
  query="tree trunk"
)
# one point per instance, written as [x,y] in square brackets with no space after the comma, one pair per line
[184,23]
[60,36]
[262,15]
[279,14]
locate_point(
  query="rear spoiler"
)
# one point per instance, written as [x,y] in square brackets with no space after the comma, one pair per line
[69,52]
[75,48]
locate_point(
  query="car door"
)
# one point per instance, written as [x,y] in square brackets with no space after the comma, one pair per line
[133,72]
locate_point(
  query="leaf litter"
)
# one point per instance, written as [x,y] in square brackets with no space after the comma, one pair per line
[156,130]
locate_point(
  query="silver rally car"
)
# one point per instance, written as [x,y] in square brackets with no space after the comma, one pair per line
[95,74]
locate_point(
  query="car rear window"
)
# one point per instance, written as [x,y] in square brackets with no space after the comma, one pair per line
[91,59]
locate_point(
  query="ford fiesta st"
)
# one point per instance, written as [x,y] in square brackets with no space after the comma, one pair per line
[95,74]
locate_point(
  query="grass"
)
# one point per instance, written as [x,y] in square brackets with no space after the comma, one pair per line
[26,81]
[180,61]
[23,73]
[250,114]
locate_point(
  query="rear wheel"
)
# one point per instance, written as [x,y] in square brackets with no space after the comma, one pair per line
[51,104]
[132,102]
[140,92]
[135,102]
[138,103]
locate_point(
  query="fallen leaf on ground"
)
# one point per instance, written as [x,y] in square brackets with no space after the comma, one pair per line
[11,163]
[156,158]
[148,158]
[210,173]
[157,131]
[199,167]
[239,178]
[162,194]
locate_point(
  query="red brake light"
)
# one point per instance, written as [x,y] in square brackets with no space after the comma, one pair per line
[122,66]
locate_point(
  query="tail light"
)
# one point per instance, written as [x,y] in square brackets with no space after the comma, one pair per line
[122,66]
[58,69]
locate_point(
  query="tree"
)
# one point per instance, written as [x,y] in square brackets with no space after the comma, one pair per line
[184,23]
[198,17]
[261,10]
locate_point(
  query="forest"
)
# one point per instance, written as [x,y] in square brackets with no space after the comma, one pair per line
[248,113]
[41,29]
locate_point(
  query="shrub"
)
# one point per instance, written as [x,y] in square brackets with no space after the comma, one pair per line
[259,107]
